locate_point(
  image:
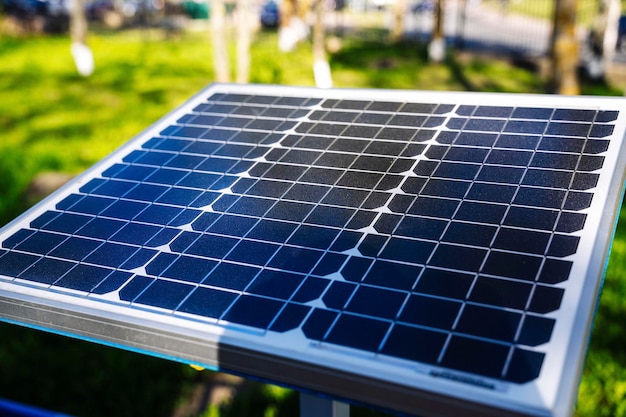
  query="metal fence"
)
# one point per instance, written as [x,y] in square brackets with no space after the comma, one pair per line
[514,27]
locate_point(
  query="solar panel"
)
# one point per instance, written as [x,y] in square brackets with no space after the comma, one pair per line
[437,254]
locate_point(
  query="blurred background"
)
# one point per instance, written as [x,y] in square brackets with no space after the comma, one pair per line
[78,78]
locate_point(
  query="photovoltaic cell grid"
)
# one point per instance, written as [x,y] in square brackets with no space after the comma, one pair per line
[432,232]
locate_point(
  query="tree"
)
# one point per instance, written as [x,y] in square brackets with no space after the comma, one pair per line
[565,49]
[399,12]
[83,57]
[321,67]
[243,41]
[220,47]
[605,30]
[437,45]
[221,34]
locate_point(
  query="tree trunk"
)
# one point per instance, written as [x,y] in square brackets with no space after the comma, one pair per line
[437,46]
[243,41]
[83,57]
[397,28]
[220,41]
[612,10]
[321,68]
[78,24]
[565,49]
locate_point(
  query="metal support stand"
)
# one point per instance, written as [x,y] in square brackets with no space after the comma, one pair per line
[313,406]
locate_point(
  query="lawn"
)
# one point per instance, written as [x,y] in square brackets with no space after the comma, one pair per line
[53,120]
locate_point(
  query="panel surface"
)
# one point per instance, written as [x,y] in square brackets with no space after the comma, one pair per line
[439,252]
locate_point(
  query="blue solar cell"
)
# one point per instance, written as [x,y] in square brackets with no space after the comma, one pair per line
[338,294]
[546,299]
[518,240]
[311,289]
[272,231]
[496,193]
[563,245]
[100,228]
[68,201]
[372,244]
[489,323]
[231,276]
[526,126]
[134,287]
[290,317]
[483,212]
[14,263]
[536,330]
[376,302]
[512,265]
[435,207]
[207,302]
[570,222]
[146,192]
[164,294]
[265,310]
[392,275]
[500,174]
[124,210]
[75,248]
[329,264]
[419,227]
[601,131]
[318,323]
[430,312]
[314,236]
[237,226]
[414,343]
[178,196]
[554,271]
[525,365]
[61,222]
[139,259]
[40,242]
[18,237]
[414,251]
[206,245]
[517,141]
[463,154]
[444,283]
[138,234]
[475,356]
[358,332]
[469,234]
[295,259]
[159,214]
[458,257]
[46,270]
[446,188]
[84,278]
[111,254]
[131,172]
[275,284]
[112,282]
[292,211]
[254,253]
[190,269]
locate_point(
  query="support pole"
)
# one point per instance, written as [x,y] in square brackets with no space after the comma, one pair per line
[313,406]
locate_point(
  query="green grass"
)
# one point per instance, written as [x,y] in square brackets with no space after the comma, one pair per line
[53,120]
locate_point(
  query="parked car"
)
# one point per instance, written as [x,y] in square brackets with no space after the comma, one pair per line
[24,8]
[621,35]
[270,14]
[53,15]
